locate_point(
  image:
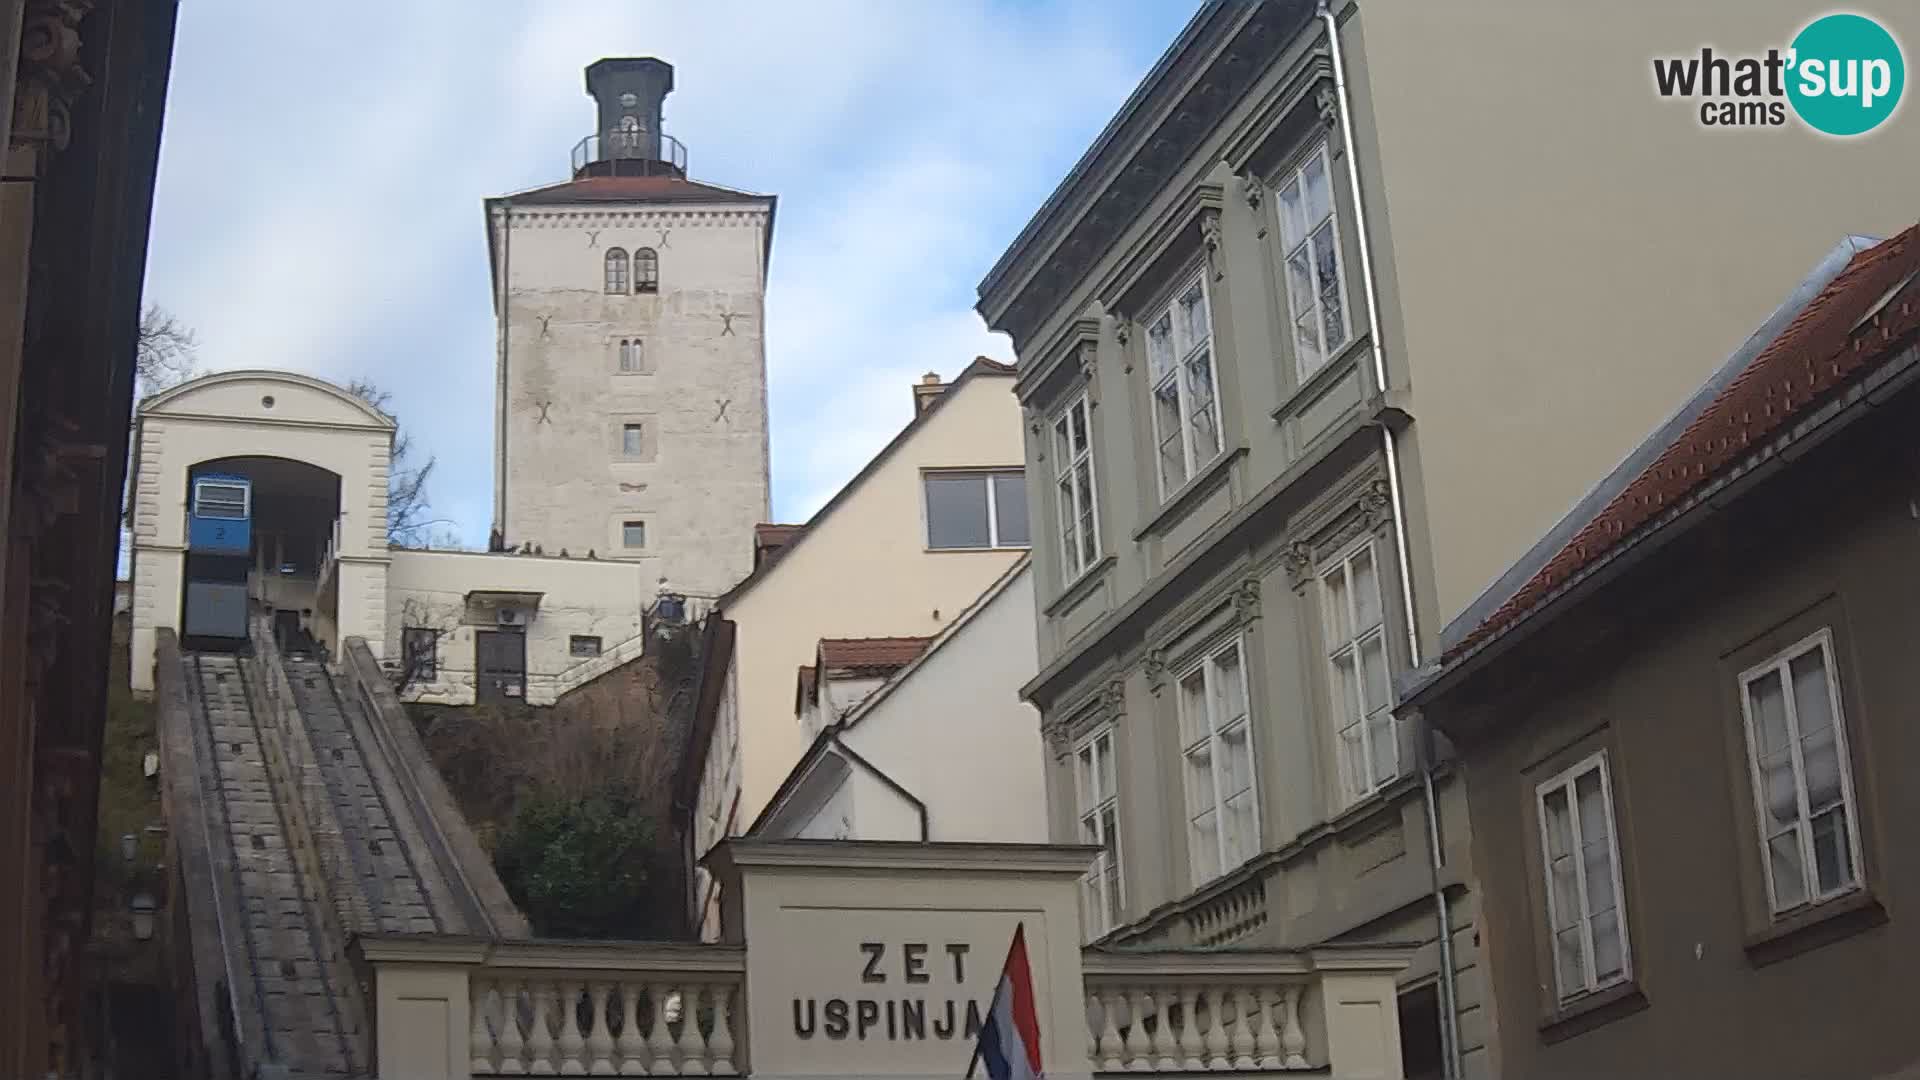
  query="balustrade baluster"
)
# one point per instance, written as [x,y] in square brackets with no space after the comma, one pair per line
[539,1034]
[721,1043]
[1216,1038]
[1293,1041]
[658,1041]
[632,1046]
[573,1046]
[1128,1050]
[1190,1045]
[480,1040]
[513,1049]
[1165,1046]
[1266,1041]
[693,1049]
[1243,1021]
[1103,1048]
[600,1042]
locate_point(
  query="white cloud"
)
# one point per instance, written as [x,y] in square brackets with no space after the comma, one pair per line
[319,199]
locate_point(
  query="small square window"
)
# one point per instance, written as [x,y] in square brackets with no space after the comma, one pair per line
[633,534]
[630,441]
[583,645]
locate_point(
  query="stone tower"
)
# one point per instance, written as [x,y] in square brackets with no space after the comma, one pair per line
[631,403]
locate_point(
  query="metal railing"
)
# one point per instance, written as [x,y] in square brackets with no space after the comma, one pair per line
[630,153]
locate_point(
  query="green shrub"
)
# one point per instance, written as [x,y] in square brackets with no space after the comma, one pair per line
[580,868]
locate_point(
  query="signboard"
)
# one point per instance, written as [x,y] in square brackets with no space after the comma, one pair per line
[881,959]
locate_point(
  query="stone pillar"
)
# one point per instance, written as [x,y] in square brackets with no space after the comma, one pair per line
[422,1024]
[1362,1017]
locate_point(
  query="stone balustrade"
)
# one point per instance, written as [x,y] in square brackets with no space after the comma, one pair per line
[1171,1011]
[555,1008]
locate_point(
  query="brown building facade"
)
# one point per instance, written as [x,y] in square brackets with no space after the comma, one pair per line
[1689,736]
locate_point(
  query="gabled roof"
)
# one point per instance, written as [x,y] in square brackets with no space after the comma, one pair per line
[1833,340]
[981,366]
[870,656]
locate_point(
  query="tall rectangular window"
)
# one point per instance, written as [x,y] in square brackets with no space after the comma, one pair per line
[633,534]
[630,356]
[1073,480]
[1802,781]
[1098,802]
[1361,687]
[1585,900]
[1186,414]
[1316,287]
[1223,819]
[976,510]
[630,441]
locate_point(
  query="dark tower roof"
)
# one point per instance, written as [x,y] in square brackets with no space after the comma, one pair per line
[629,94]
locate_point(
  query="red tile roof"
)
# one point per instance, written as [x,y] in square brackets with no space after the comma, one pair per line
[632,189]
[870,655]
[1816,353]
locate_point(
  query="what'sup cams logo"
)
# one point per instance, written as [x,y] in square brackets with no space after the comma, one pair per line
[1843,75]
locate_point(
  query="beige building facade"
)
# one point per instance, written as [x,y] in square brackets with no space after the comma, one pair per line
[874,562]
[631,411]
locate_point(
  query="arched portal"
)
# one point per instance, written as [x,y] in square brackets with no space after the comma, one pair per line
[319,457]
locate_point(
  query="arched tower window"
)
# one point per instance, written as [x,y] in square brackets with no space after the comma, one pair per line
[629,355]
[646,271]
[616,270]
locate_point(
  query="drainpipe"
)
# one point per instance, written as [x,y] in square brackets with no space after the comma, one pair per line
[500,389]
[1449,1015]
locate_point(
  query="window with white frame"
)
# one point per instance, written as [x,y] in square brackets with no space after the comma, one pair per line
[1802,783]
[1586,909]
[976,510]
[1361,686]
[616,266]
[1098,801]
[1186,412]
[1316,286]
[1073,480]
[1216,747]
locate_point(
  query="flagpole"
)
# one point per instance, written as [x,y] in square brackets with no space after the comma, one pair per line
[1019,931]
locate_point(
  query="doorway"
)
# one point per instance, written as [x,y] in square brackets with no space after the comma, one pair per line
[500,665]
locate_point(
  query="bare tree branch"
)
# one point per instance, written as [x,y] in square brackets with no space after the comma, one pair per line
[407,504]
[166,352]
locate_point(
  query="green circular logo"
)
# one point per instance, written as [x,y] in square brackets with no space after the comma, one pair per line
[1846,74]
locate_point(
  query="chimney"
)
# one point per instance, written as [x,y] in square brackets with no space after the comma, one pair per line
[925,391]
[629,92]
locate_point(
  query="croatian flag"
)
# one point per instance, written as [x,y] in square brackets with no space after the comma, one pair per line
[1010,1036]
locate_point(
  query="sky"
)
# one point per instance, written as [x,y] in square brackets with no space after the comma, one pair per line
[318,205]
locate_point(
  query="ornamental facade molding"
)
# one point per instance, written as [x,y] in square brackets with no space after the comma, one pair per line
[50,77]
[601,219]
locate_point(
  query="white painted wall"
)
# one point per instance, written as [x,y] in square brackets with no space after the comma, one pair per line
[954,733]
[429,589]
[862,570]
[264,414]
[701,481]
